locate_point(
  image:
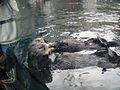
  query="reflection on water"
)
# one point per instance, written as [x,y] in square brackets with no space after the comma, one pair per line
[56,17]
[90,78]
[80,19]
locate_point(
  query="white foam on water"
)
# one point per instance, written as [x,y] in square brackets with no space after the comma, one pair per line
[116,49]
[104,28]
[46,27]
[64,33]
[86,51]
[85,35]
[102,17]
[52,57]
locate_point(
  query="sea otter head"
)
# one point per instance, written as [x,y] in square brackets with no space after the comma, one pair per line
[38,53]
[39,47]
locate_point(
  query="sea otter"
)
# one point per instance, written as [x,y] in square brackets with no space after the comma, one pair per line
[68,56]
[73,45]
[39,62]
[68,60]
[38,53]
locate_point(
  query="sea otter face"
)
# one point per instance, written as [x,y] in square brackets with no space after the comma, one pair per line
[38,54]
[39,47]
[43,46]
[39,40]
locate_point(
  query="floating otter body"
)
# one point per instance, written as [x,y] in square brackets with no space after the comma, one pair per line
[73,45]
[68,56]
[102,57]
[77,60]
[69,45]
[39,63]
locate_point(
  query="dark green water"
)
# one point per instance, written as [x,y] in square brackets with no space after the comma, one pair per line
[81,19]
[58,19]
[69,18]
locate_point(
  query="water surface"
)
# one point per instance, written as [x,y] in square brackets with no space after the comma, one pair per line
[90,78]
[80,19]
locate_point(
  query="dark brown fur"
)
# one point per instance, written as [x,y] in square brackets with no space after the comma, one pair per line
[38,54]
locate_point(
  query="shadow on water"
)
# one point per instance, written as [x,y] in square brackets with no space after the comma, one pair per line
[81,19]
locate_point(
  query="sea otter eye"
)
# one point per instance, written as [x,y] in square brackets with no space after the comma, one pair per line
[39,40]
[40,47]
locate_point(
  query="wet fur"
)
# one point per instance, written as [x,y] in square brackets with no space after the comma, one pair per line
[38,54]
